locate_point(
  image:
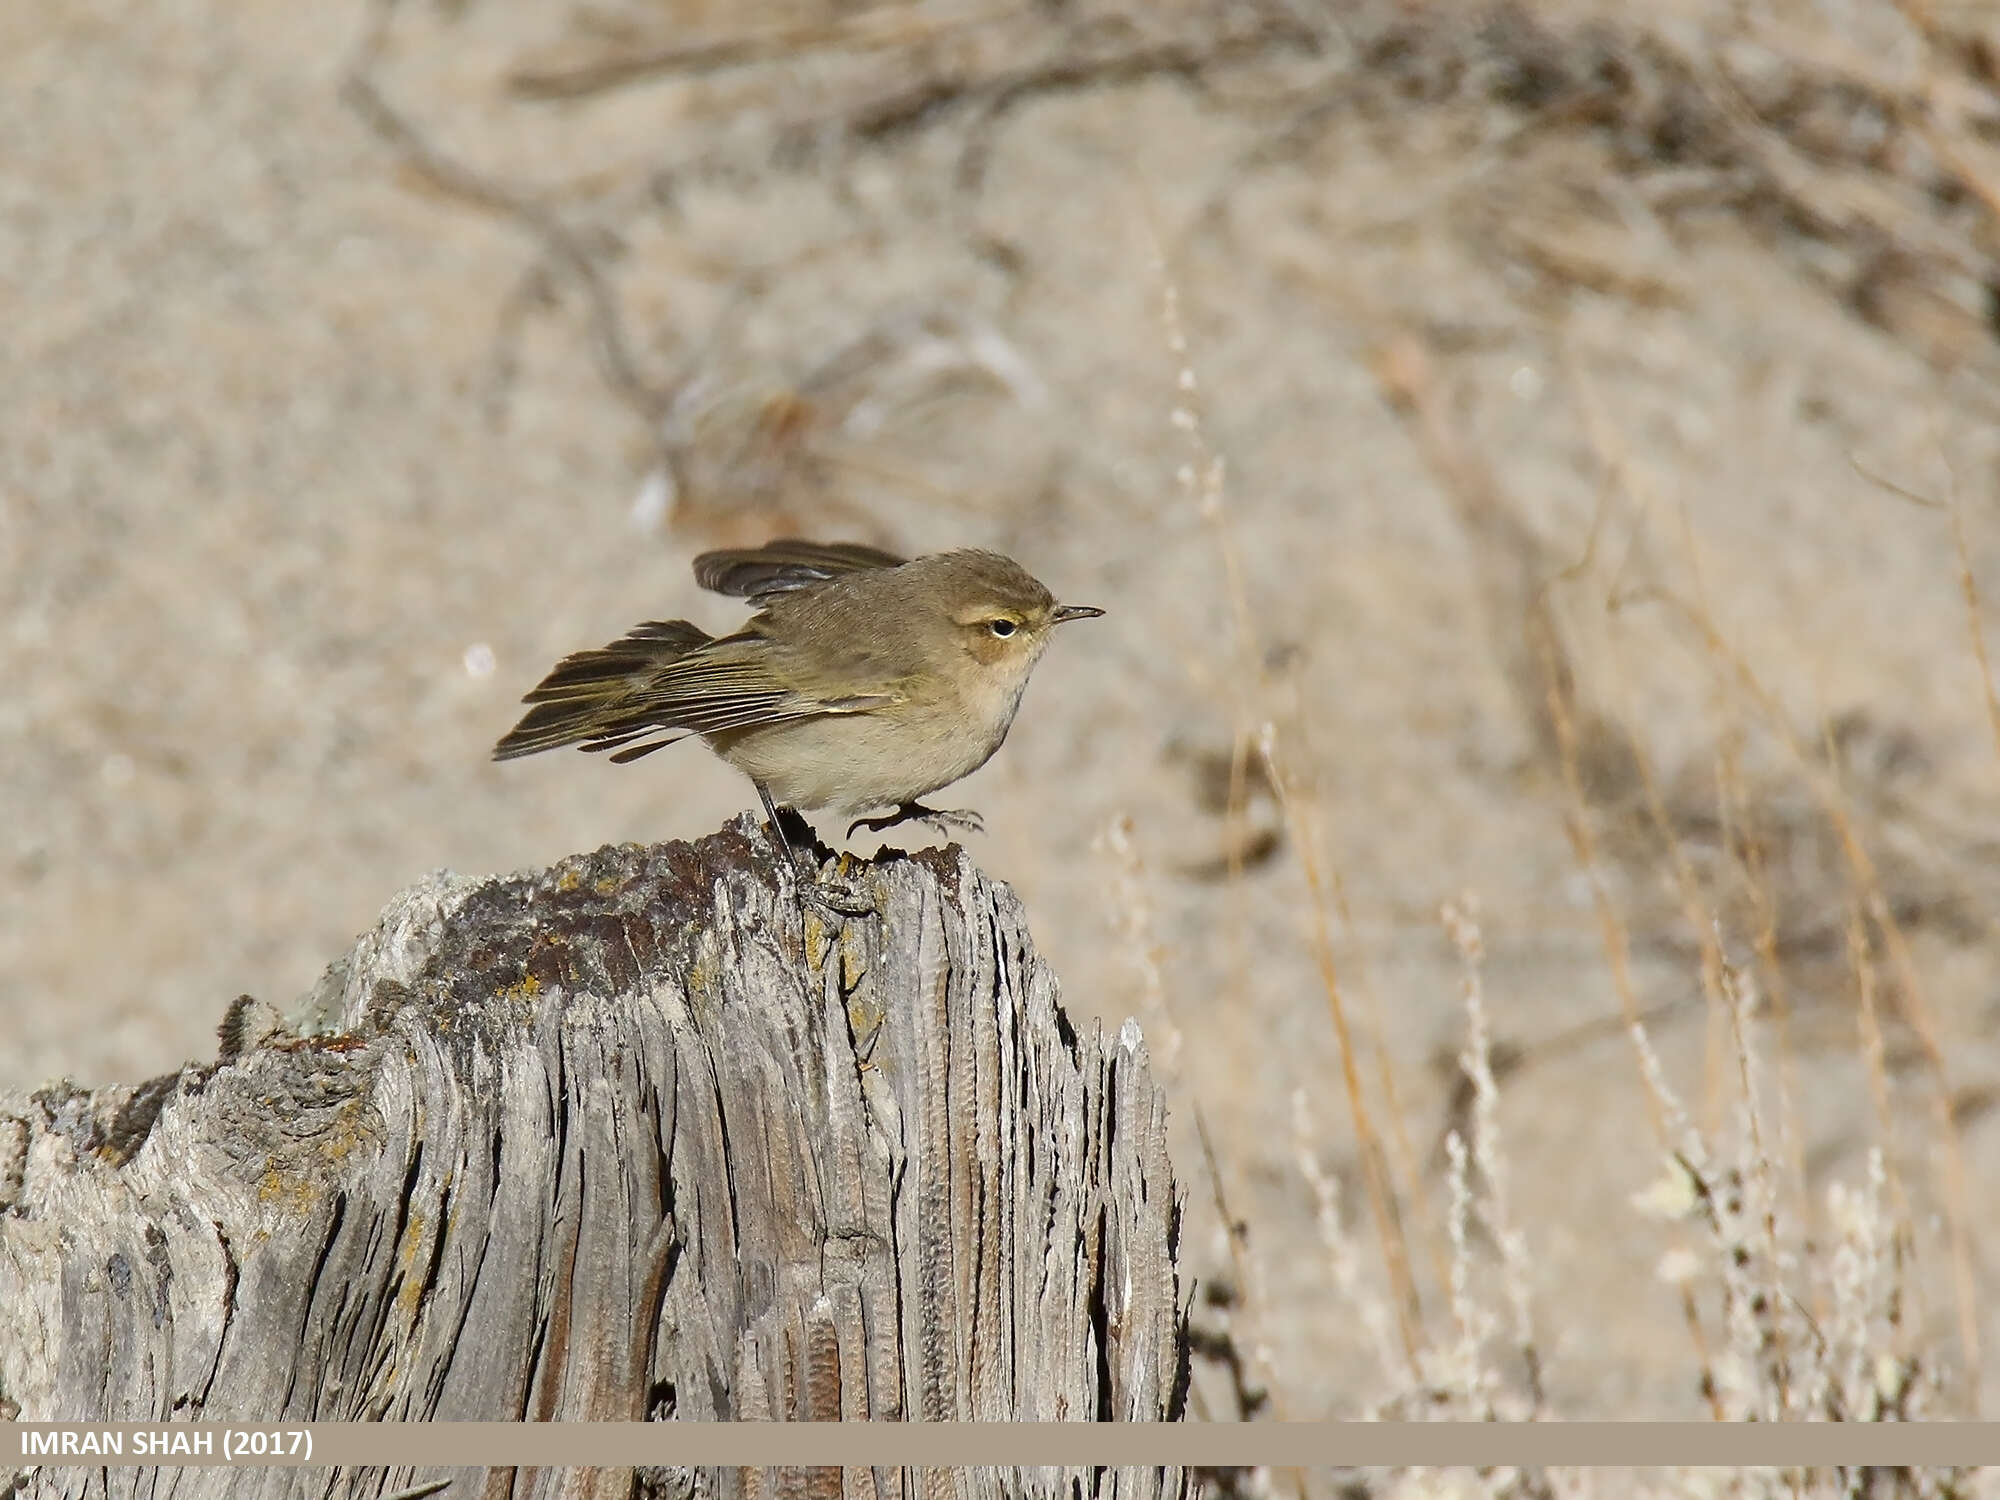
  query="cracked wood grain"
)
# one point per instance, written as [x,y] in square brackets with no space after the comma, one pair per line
[629,1138]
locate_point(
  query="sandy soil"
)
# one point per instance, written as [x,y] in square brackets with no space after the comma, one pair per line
[309,467]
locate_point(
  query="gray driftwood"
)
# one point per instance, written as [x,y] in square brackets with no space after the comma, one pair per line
[627,1138]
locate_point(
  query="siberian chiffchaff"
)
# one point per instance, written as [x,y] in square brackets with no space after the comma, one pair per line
[863,682]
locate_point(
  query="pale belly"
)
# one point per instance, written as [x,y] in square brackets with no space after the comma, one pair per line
[853,762]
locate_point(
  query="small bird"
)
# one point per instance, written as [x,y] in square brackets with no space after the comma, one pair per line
[864,681]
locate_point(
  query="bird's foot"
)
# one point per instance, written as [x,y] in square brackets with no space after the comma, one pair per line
[943,819]
[790,832]
[834,897]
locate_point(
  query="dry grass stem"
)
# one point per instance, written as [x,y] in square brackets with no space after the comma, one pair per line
[1136,920]
[1381,1200]
[1461,922]
[1201,477]
[1583,843]
[1392,1360]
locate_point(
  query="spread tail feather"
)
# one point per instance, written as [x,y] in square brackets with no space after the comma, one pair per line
[580,699]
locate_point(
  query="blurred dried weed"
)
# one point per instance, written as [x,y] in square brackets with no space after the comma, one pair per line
[749,440]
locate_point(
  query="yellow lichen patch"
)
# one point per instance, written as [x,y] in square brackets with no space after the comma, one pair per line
[282,1190]
[349,1132]
[568,881]
[523,989]
[701,974]
[606,885]
[410,1252]
[865,1016]
[852,963]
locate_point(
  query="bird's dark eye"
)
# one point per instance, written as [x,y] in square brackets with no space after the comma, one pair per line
[1002,628]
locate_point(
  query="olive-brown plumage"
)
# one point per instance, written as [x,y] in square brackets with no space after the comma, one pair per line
[863,681]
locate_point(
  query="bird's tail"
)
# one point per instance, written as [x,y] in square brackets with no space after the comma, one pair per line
[586,697]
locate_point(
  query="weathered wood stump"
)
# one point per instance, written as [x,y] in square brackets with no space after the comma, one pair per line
[632,1137]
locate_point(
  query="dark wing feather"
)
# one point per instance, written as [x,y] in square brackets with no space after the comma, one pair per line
[665,680]
[626,757]
[582,690]
[592,675]
[785,566]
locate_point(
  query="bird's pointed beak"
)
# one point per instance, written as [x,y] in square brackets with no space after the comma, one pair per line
[1076,612]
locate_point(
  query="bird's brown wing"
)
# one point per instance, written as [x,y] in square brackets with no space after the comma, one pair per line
[663,681]
[761,574]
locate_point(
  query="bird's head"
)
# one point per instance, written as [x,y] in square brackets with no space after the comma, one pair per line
[994,610]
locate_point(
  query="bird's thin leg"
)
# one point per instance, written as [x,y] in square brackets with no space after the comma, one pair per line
[777,817]
[777,824]
[944,819]
[805,880]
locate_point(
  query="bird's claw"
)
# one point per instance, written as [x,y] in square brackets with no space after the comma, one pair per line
[943,819]
[829,896]
[832,897]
